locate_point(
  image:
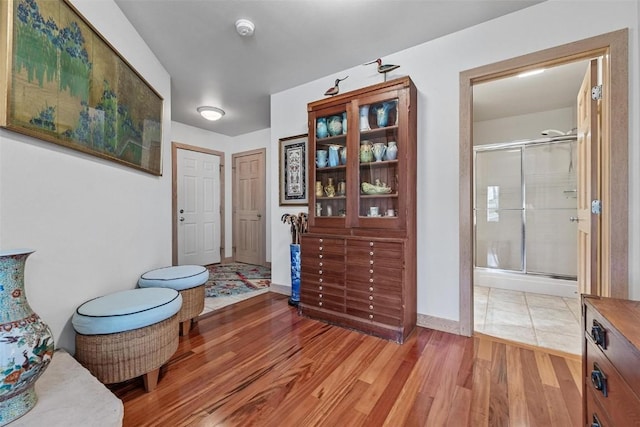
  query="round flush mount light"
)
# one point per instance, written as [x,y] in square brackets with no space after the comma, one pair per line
[211,113]
[244,27]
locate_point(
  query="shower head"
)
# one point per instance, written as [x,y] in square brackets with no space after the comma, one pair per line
[546,132]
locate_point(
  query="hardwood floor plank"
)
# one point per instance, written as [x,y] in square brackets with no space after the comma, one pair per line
[518,410]
[258,363]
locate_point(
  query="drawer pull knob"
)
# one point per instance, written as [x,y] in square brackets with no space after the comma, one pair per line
[320,256]
[371,307]
[599,379]
[370,243]
[320,280]
[371,288]
[599,334]
[319,295]
[371,253]
[595,421]
[320,248]
[320,303]
[319,288]
[370,280]
[371,316]
[370,297]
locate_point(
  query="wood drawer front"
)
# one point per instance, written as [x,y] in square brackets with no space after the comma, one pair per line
[594,411]
[378,299]
[622,354]
[311,276]
[315,246]
[362,310]
[621,404]
[370,257]
[386,278]
[393,249]
[393,291]
[322,300]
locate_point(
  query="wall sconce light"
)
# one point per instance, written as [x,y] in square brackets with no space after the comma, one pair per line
[211,113]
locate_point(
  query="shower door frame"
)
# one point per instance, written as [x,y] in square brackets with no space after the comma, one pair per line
[521,145]
[613,264]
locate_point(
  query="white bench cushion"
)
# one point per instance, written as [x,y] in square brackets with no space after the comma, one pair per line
[126,310]
[178,277]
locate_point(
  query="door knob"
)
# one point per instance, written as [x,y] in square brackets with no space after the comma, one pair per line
[574,219]
[259,216]
[181,218]
[181,210]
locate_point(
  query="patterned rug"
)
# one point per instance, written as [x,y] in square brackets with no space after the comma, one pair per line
[236,278]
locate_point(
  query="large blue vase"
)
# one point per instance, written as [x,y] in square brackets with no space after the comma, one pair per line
[294,250]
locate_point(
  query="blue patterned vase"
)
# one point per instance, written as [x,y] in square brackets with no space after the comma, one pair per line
[294,251]
[26,342]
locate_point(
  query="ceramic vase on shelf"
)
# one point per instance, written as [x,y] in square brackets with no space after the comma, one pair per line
[330,190]
[382,113]
[366,152]
[321,127]
[392,151]
[321,158]
[364,117]
[319,189]
[343,155]
[344,123]
[26,342]
[334,125]
[334,155]
[379,148]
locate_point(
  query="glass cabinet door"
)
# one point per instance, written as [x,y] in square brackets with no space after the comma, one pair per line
[329,177]
[379,147]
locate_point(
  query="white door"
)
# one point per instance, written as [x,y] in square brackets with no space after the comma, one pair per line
[198,203]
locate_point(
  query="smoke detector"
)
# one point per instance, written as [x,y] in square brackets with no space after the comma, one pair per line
[244,27]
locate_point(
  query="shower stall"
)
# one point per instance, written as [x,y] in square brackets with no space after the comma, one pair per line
[525,205]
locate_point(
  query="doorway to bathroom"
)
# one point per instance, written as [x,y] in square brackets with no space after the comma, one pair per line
[610,174]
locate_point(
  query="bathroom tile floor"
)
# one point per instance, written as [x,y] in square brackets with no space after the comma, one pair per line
[541,320]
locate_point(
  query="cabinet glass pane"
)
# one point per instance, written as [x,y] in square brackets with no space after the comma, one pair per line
[378,159]
[330,177]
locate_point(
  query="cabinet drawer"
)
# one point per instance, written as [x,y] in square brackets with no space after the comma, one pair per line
[594,412]
[363,311]
[327,277]
[365,257]
[379,299]
[620,352]
[322,300]
[620,403]
[314,246]
[392,249]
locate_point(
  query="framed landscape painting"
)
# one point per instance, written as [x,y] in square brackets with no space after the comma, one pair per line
[63,83]
[293,170]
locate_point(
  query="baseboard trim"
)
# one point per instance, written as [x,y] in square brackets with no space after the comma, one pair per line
[280,289]
[438,323]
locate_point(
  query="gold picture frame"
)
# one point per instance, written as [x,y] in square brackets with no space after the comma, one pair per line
[62,82]
[293,170]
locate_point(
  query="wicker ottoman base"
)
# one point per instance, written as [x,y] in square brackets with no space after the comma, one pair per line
[192,306]
[113,358]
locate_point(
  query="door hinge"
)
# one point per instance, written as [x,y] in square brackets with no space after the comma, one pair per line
[596,207]
[596,92]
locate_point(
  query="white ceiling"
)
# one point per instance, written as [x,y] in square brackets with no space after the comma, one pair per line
[294,42]
[555,88]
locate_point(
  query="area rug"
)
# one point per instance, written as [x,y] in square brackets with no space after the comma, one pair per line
[236,278]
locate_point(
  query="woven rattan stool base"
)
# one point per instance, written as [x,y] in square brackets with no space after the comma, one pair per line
[113,358]
[192,306]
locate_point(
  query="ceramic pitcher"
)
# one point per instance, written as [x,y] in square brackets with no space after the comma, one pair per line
[378,150]
[321,158]
[334,155]
[366,152]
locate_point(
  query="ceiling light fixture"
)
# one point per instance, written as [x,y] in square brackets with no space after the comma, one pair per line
[531,73]
[211,113]
[244,27]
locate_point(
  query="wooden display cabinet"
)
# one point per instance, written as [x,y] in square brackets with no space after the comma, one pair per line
[359,257]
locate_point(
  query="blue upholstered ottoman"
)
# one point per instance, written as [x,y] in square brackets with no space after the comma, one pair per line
[127,334]
[189,280]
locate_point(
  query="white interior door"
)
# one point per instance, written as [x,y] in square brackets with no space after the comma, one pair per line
[198,203]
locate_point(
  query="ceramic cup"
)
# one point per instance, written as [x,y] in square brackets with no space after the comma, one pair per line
[373,211]
[391,212]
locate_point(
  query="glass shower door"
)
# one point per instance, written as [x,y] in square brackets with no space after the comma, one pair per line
[499,209]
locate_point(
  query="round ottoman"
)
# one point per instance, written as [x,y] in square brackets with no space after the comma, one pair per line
[189,280]
[127,334]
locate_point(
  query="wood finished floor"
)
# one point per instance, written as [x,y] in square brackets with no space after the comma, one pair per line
[257,363]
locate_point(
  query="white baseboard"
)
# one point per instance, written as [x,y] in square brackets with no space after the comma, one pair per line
[438,323]
[280,289]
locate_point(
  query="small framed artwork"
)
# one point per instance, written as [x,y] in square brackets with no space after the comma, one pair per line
[62,82]
[293,170]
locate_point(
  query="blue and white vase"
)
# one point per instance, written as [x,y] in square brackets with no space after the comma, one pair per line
[26,342]
[321,127]
[294,251]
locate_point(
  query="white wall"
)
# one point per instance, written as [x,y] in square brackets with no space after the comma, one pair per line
[95,225]
[524,126]
[435,68]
